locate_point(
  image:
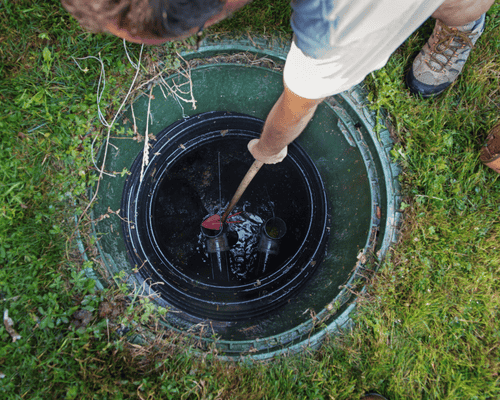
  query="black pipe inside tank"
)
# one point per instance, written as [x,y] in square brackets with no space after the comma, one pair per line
[217,247]
[272,232]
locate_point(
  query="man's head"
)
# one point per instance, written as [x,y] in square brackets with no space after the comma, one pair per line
[150,21]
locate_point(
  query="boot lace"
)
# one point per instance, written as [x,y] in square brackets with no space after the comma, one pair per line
[449,42]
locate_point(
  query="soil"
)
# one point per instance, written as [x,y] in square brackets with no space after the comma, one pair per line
[81,318]
[493,146]
[111,309]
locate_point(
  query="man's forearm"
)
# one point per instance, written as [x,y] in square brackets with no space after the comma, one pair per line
[286,121]
[283,125]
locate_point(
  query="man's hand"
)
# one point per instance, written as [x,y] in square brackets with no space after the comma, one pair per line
[259,153]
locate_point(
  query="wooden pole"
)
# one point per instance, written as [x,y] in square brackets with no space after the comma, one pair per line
[254,168]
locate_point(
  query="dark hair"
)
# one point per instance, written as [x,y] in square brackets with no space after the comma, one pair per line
[159,18]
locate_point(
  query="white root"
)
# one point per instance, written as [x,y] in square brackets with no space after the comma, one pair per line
[145,153]
[7,321]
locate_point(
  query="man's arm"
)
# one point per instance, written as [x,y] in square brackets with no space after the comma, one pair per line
[286,121]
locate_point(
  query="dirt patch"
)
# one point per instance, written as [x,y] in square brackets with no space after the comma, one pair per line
[81,319]
[111,309]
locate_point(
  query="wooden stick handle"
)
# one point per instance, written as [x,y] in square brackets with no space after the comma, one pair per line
[254,168]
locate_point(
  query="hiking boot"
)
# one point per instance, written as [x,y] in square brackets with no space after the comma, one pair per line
[442,58]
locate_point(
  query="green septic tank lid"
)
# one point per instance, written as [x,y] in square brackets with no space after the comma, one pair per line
[360,181]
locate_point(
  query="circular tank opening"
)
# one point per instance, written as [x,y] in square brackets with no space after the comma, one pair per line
[336,193]
[248,269]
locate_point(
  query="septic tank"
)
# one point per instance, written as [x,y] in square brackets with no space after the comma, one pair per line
[336,196]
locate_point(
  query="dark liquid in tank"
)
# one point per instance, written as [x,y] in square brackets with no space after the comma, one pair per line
[201,183]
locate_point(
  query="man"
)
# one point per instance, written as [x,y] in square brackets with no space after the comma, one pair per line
[336,44]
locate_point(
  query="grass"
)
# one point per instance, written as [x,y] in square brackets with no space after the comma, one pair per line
[427,327]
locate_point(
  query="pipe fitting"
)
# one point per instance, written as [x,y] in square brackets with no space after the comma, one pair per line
[272,232]
[218,252]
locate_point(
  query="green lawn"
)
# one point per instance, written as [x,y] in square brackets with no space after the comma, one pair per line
[426,328]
